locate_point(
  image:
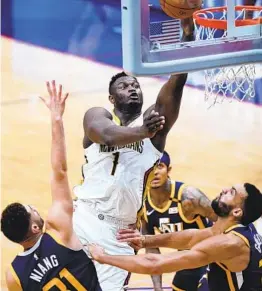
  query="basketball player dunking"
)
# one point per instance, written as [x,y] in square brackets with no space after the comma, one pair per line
[120,149]
[53,259]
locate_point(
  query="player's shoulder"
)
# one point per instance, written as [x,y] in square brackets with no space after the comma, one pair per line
[60,239]
[242,233]
[235,240]
[178,185]
[228,241]
[97,111]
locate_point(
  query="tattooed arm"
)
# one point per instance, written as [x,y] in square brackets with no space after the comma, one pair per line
[195,202]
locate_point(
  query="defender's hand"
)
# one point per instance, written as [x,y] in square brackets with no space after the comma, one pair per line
[152,124]
[133,237]
[96,252]
[56,101]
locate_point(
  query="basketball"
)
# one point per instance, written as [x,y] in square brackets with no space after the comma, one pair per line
[180,8]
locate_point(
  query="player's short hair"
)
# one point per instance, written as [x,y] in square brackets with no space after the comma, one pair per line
[15,222]
[252,209]
[114,78]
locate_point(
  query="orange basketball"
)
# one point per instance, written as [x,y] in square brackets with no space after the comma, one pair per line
[180,8]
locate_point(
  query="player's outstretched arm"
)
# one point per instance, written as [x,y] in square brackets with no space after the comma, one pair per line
[169,98]
[99,128]
[60,214]
[156,279]
[177,240]
[12,284]
[219,248]
[195,202]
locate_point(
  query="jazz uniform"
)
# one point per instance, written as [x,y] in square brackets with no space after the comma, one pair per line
[111,196]
[220,278]
[171,219]
[50,266]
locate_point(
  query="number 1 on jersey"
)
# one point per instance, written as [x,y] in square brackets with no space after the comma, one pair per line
[115,162]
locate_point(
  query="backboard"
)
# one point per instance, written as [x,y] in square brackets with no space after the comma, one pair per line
[151,45]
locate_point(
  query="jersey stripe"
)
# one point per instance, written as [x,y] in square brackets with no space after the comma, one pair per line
[115,118]
[205,276]
[242,237]
[229,277]
[144,213]
[232,227]
[176,288]
[200,223]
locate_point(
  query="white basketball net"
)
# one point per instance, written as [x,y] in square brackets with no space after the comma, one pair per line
[226,82]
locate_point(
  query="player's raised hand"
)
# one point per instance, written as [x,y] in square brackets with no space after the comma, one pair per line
[56,100]
[152,124]
[132,236]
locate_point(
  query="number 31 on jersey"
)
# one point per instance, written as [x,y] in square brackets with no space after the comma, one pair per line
[70,280]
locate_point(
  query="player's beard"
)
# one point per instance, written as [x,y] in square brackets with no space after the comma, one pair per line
[220,208]
[131,108]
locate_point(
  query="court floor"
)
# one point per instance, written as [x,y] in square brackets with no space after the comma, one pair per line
[210,148]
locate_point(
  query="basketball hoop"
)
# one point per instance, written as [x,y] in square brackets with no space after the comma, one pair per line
[227,82]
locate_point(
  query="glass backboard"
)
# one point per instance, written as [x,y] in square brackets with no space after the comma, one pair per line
[152,46]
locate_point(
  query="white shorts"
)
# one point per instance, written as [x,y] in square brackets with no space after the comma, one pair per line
[258,225]
[94,227]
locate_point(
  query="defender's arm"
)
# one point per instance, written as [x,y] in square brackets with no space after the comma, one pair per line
[178,240]
[156,279]
[11,283]
[60,214]
[181,240]
[216,249]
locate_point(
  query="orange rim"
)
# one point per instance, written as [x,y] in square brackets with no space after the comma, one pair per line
[222,24]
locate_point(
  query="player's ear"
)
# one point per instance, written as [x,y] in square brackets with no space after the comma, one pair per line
[35,228]
[169,169]
[111,99]
[237,213]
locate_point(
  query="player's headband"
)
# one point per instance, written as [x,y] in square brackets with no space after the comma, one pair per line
[165,159]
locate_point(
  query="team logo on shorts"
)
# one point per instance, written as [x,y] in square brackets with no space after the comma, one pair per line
[101,216]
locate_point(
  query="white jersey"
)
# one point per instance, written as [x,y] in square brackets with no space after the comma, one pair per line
[115,176]
[258,225]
